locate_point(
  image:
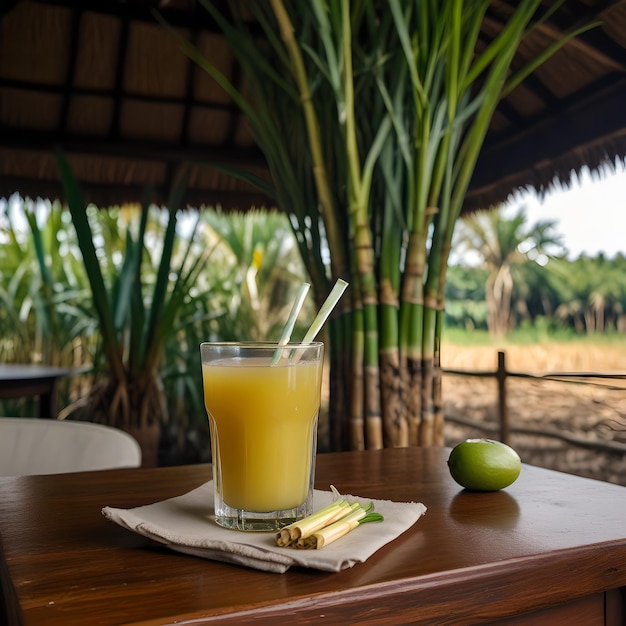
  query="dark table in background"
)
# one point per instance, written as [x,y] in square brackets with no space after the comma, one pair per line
[551,549]
[26,381]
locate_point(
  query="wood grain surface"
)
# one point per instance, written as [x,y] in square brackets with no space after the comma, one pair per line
[551,543]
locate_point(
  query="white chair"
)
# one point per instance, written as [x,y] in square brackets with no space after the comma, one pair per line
[45,446]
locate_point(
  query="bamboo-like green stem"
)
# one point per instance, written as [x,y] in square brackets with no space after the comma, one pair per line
[319,170]
[358,195]
[391,103]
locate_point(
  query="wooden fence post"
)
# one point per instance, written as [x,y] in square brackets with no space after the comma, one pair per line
[503,410]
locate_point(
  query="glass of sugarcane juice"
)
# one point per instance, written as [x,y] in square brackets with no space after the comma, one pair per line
[262,401]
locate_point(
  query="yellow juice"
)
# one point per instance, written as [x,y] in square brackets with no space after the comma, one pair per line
[262,422]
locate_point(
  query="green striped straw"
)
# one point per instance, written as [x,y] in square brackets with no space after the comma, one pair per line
[325,311]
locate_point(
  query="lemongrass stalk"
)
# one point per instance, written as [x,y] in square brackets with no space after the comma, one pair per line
[311,523]
[342,527]
[342,510]
[305,542]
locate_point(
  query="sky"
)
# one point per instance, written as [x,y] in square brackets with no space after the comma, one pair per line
[590,214]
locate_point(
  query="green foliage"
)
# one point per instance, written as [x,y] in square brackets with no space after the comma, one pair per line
[371,117]
[34,261]
[591,292]
[466,282]
[262,271]
[465,297]
[214,306]
[560,298]
[45,317]
[135,316]
[469,314]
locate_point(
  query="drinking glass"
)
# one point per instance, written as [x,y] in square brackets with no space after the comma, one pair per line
[262,402]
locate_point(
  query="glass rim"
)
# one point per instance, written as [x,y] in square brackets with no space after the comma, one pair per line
[261,344]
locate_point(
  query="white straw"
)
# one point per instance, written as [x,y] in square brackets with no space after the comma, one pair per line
[291,320]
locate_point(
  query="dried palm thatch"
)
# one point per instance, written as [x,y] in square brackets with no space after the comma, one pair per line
[105,83]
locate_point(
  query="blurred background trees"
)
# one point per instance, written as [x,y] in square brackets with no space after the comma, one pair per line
[507,274]
[247,288]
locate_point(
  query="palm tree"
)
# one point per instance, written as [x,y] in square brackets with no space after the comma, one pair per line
[501,244]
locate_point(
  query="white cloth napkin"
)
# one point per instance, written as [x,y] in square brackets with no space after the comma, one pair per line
[184,524]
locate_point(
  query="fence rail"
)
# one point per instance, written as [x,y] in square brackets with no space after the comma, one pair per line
[504,428]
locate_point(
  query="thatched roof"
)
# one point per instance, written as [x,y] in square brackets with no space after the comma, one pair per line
[102,81]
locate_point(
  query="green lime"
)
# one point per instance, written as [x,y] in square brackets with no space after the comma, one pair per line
[484,464]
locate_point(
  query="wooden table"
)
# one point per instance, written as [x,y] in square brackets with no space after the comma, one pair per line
[25,381]
[550,547]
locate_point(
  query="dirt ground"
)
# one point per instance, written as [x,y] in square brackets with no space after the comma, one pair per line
[591,413]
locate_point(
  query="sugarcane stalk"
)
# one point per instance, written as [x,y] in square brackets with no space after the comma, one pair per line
[357,398]
[325,197]
[358,198]
[428,93]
